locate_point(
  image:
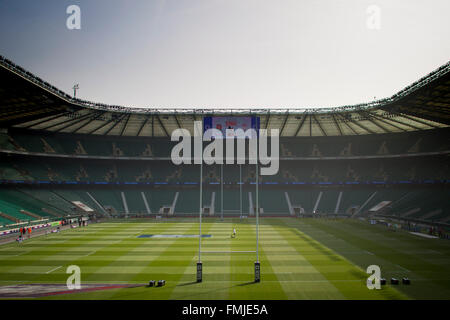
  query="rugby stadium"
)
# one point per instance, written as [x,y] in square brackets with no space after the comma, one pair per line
[94,187]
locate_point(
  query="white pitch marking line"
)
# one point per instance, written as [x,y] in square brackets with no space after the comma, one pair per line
[369,253]
[16,255]
[90,253]
[53,269]
[404,269]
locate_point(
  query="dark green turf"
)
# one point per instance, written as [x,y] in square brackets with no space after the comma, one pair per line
[300,259]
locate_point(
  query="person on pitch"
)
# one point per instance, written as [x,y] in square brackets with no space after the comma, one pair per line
[233,235]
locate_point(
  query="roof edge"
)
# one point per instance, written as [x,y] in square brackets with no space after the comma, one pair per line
[435,74]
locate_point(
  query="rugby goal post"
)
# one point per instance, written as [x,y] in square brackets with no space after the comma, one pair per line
[257,267]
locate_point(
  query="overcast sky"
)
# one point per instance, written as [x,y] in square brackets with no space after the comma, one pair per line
[228,53]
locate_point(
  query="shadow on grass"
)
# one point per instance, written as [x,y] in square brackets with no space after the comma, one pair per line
[209,292]
[187,284]
[244,284]
[237,285]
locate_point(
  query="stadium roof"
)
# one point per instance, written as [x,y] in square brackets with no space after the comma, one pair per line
[28,102]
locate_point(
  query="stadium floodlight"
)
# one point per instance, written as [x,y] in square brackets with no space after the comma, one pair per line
[75,88]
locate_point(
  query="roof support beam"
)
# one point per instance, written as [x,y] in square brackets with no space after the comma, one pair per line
[418,121]
[101,126]
[178,122]
[125,125]
[153,125]
[344,120]
[115,124]
[162,125]
[337,124]
[440,107]
[437,105]
[19,110]
[284,123]
[310,125]
[142,126]
[420,112]
[300,124]
[320,126]
[370,118]
[88,122]
[381,119]
[73,120]
[400,122]
[42,121]
[91,114]
[361,126]
[25,118]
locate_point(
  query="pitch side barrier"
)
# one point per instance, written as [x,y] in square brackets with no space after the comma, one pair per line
[425,223]
[11,234]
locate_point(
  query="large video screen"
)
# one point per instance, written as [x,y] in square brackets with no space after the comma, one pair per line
[224,123]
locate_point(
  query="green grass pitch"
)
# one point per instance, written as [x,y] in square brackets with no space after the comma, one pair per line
[300,259]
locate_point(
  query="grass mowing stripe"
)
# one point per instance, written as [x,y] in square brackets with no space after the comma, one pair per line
[157,268]
[61,276]
[386,255]
[304,270]
[300,259]
[339,268]
[269,280]
[21,274]
[188,288]
[95,274]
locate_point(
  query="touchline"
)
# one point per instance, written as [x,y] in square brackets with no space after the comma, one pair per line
[213,152]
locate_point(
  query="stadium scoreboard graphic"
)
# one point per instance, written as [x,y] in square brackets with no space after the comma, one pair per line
[231,123]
